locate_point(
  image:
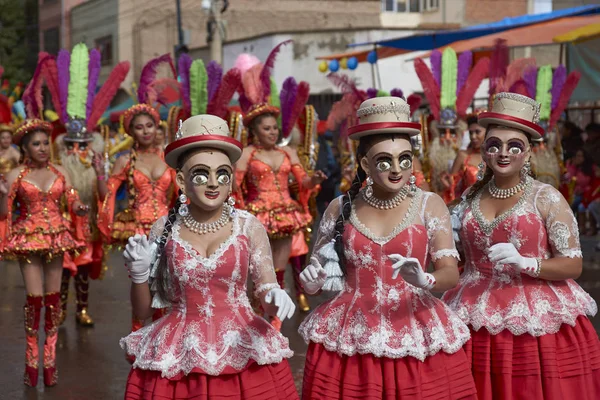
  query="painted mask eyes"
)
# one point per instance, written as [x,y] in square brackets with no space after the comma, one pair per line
[223,179]
[515,150]
[200,179]
[405,164]
[384,166]
[493,149]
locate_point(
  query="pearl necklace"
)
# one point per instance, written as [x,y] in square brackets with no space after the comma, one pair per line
[202,228]
[386,204]
[498,193]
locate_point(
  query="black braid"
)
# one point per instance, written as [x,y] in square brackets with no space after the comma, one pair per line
[162,273]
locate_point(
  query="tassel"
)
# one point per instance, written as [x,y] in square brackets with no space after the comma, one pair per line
[78,82]
[328,251]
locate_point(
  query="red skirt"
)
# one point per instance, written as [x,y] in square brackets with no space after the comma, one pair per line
[257,382]
[560,366]
[327,375]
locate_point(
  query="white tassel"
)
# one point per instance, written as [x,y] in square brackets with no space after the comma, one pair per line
[328,251]
[333,284]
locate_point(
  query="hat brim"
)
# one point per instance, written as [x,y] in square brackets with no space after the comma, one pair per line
[490,118]
[228,145]
[361,130]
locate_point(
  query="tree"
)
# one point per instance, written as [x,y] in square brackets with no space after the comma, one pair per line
[14,35]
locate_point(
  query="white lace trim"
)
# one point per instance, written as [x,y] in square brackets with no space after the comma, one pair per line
[436,255]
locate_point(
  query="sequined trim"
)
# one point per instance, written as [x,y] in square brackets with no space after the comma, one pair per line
[393,107]
[522,99]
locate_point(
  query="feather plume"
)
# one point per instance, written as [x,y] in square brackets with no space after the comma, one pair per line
[32,96]
[198,91]
[185,63]
[530,79]
[230,84]
[448,88]
[253,89]
[478,74]
[93,74]
[299,104]
[543,95]
[1,71]
[515,71]
[245,61]
[396,92]
[430,87]
[63,62]
[274,97]
[245,104]
[340,111]
[149,74]
[519,87]
[371,93]
[565,95]
[215,74]
[78,81]
[265,73]
[414,101]
[50,74]
[465,62]
[106,93]
[498,64]
[287,97]
[346,85]
[435,58]
[382,93]
[156,90]
[558,81]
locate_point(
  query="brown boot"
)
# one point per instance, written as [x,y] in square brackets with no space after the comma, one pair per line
[297,265]
[82,287]
[64,293]
[51,319]
[32,311]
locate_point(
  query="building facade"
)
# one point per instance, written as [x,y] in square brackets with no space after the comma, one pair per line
[54,24]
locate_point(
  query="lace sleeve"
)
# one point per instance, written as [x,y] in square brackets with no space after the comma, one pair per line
[324,250]
[439,229]
[261,260]
[561,225]
[153,238]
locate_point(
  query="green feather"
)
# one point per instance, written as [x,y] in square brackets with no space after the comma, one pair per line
[78,81]
[274,99]
[449,71]
[198,88]
[382,93]
[543,93]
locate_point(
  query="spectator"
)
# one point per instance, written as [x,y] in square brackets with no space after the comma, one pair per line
[571,139]
[580,169]
[592,144]
[592,201]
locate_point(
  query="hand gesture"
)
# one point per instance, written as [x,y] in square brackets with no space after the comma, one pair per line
[507,253]
[411,271]
[3,188]
[280,299]
[317,178]
[313,277]
[80,209]
[138,257]
[98,164]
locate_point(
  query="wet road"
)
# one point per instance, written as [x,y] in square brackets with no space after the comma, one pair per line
[91,364]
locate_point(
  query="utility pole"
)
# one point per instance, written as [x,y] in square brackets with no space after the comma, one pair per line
[215,27]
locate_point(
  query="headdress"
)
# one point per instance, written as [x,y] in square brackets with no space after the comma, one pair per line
[204,90]
[150,91]
[514,111]
[202,131]
[11,108]
[450,84]
[383,115]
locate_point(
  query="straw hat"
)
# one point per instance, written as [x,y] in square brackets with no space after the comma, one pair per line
[202,131]
[514,111]
[384,115]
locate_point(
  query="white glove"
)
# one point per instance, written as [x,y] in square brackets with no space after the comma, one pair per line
[411,271]
[507,253]
[280,299]
[313,277]
[138,257]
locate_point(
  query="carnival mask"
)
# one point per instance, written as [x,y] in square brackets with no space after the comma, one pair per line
[389,163]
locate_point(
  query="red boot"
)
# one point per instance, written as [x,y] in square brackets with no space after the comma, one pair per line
[32,310]
[52,320]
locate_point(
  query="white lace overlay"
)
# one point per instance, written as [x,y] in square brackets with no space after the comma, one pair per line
[496,297]
[212,327]
[375,314]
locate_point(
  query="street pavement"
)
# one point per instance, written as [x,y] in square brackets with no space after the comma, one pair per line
[90,362]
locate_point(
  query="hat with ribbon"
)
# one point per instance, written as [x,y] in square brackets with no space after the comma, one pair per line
[514,111]
[383,115]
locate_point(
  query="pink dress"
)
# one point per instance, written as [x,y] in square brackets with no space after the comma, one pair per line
[380,337]
[528,334]
[211,343]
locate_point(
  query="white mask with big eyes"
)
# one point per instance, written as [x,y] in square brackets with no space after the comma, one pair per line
[200,179]
[405,163]
[223,179]
[383,165]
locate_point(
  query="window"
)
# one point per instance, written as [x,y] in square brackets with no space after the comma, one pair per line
[52,40]
[431,5]
[104,46]
[401,6]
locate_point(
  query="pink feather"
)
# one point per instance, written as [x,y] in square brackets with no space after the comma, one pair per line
[515,71]
[32,96]
[498,64]
[346,85]
[430,87]
[185,63]
[414,101]
[519,87]
[299,104]
[156,90]
[478,74]
[265,74]
[229,85]
[253,89]
[245,61]
[149,74]
[565,96]
[287,99]
[107,93]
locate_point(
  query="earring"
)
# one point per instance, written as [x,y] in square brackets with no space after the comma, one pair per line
[480,171]
[183,208]
[231,201]
[526,169]
[369,190]
[412,180]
